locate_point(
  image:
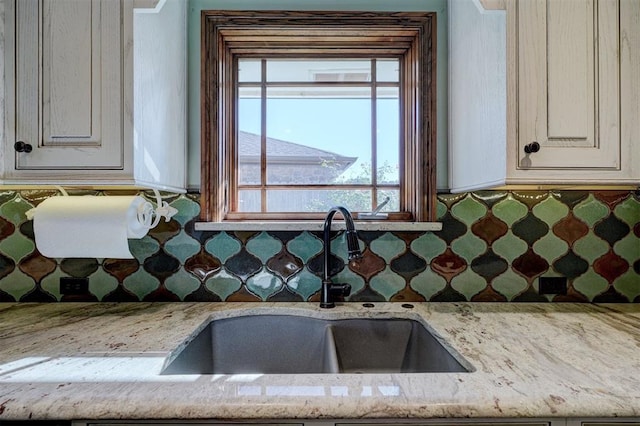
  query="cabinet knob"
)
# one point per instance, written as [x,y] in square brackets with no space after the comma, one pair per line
[532,147]
[22,147]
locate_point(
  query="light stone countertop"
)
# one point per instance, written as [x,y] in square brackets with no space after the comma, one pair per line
[102,361]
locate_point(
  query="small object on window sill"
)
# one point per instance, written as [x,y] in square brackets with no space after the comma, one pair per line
[375,214]
[372,216]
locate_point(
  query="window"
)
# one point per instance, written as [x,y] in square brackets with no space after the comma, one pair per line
[305,110]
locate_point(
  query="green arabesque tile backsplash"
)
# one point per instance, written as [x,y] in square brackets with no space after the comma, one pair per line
[494,246]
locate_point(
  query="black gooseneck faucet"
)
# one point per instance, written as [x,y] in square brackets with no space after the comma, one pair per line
[329,289]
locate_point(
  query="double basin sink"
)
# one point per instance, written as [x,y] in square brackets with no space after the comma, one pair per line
[292,344]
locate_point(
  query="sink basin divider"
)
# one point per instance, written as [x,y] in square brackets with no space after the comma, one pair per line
[333,364]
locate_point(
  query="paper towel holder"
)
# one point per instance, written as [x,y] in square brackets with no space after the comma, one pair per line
[150,217]
[147,215]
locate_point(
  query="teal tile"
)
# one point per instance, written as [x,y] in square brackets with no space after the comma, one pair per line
[79,267]
[264,246]
[17,246]
[182,284]
[7,196]
[388,246]
[550,210]
[591,211]
[611,229]
[530,198]
[101,283]
[187,209]
[509,284]
[570,198]
[141,283]
[490,197]
[628,248]
[627,284]
[51,283]
[305,246]
[143,248]
[182,247]
[590,247]
[223,284]
[15,210]
[468,283]
[428,284]
[17,284]
[628,211]
[510,210]
[387,283]
[264,284]
[223,246]
[590,284]
[428,246]
[489,265]
[449,200]
[468,247]
[469,210]
[550,247]
[304,283]
[509,247]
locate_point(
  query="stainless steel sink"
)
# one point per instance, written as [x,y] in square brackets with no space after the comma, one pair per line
[291,344]
[391,346]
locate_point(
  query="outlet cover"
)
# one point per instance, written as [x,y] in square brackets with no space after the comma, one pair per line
[74,286]
[552,285]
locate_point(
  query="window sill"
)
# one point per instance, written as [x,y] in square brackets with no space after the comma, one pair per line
[361,225]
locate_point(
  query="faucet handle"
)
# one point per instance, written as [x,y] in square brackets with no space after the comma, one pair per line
[341,289]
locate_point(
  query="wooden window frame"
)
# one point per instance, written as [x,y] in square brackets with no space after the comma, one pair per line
[226,34]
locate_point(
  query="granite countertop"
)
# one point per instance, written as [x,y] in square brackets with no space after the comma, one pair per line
[102,361]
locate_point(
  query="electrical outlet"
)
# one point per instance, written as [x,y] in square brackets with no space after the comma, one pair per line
[74,286]
[552,285]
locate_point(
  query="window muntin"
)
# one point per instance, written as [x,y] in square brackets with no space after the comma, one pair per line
[229,37]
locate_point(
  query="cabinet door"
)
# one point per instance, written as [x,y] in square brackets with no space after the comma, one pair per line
[69,102]
[568,84]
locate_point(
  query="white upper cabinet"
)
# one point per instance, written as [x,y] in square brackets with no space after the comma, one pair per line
[68,80]
[74,91]
[568,86]
[572,89]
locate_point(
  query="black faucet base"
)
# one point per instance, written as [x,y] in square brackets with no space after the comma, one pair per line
[329,290]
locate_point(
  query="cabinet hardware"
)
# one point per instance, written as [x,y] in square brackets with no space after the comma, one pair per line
[22,147]
[532,147]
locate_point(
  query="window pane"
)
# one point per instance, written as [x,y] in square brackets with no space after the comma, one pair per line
[394,199]
[249,70]
[388,135]
[317,200]
[318,70]
[248,136]
[388,70]
[249,201]
[318,135]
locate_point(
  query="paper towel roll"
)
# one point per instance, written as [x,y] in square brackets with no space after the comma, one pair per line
[88,226]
